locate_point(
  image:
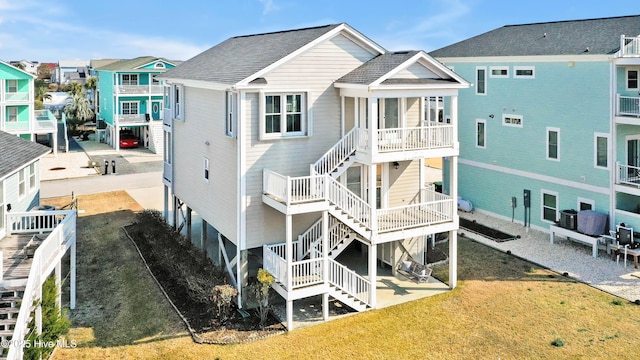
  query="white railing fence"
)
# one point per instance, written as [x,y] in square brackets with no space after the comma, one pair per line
[335,156]
[630,45]
[44,261]
[349,202]
[346,279]
[419,138]
[628,175]
[628,105]
[292,190]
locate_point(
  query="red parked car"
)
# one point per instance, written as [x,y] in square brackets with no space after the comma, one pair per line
[128,139]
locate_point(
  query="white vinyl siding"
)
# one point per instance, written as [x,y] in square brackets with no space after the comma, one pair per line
[217,201]
[314,71]
[403,184]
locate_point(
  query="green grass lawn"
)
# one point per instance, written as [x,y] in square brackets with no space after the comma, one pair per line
[503,308]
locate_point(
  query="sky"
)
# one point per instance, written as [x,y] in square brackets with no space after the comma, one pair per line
[49,31]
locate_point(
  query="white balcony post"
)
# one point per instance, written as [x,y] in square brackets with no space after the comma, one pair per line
[373,126]
[325,263]
[72,277]
[373,267]
[372,197]
[288,258]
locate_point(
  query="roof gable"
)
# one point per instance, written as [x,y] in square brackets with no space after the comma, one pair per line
[576,37]
[11,72]
[243,59]
[140,63]
[17,152]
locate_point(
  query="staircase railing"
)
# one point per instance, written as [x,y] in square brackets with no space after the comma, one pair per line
[349,202]
[347,280]
[338,153]
[274,263]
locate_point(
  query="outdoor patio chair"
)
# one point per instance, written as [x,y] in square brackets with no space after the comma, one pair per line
[623,242]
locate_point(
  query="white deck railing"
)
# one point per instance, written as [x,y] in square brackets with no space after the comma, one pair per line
[33,222]
[628,105]
[330,160]
[630,45]
[307,272]
[628,175]
[293,190]
[419,138]
[131,118]
[139,89]
[349,202]
[416,215]
[16,96]
[46,256]
[346,279]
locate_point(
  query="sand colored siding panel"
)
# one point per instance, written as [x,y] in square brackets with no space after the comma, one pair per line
[415,71]
[349,114]
[413,112]
[404,185]
[215,201]
[313,72]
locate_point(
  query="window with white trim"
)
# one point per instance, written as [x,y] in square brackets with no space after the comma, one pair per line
[524,72]
[481,135]
[167,147]
[12,114]
[177,100]
[231,113]
[130,108]
[129,79]
[206,170]
[601,150]
[22,183]
[586,204]
[32,177]
[549,206]
[12,86]
[434,109]
[481,80]
[499,71]
[284,115]
[512,120]
[553,143]
[632,79]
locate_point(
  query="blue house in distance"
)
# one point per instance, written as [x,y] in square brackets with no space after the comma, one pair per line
[552,121]
[129,97]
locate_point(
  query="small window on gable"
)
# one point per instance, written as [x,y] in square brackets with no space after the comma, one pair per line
[284,115]
[481,134]
[481,80]
[524,72]
[512,120]
[206,170]
[632,79]
[159,65]
[231,113]
[499,71]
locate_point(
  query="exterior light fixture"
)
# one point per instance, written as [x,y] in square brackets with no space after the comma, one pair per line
[396,165]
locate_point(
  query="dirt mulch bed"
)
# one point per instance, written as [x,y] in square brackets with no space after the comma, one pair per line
[493,234]
[200,316]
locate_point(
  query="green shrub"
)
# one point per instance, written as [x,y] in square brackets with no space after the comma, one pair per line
[557,342]
[222,297]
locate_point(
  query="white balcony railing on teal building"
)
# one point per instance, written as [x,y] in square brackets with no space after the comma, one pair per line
[139,89]
[630,45]
[628,106]
[43,121]
[628,175]
[16,96]
[131,118]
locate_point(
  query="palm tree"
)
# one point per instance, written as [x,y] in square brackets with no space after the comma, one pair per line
[42,93]
[78,110]
[75,88]
[91,84]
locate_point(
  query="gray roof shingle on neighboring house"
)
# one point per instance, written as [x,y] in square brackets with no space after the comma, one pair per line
[574,37]
[15,152]
[134,64]
[237,58]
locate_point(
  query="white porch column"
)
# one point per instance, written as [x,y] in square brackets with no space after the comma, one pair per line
[453,235]
[454,119]
[72,276]
[325,265]
[373,273]
[372,196]
[453,259]
[373,126]
[289,260]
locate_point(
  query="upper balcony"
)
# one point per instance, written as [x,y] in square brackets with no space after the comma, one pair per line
[629,46]
[628,110]
[43,121]
[16,97]
[138,90]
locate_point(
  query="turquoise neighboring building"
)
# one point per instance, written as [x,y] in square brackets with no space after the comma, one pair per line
[17,111]
[130,97]
[552,120]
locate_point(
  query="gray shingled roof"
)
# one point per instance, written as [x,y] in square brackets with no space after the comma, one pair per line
[599,36]
[377,67]
[133,64]
[239,57]
[16,152]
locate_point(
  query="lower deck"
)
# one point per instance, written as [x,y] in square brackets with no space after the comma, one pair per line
[16,259]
